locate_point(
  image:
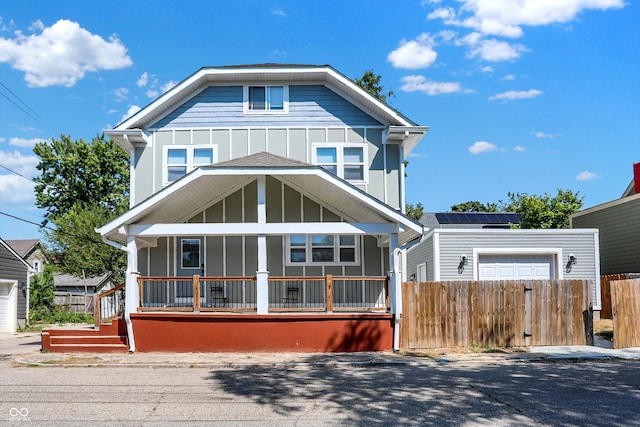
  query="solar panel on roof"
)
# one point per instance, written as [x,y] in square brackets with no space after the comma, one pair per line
[478,218]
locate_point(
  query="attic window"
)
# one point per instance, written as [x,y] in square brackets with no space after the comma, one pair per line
[266,99]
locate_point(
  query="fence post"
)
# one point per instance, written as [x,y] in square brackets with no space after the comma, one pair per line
[328,284]
[196,292]
[96,310]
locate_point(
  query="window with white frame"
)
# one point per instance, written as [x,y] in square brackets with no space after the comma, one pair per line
[345,161]
[180,160]
[266,99]
[322,249]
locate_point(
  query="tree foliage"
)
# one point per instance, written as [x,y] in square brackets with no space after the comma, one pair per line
[414,211]
[81,172]
[82,186]
[41,296]
[370,82]
[545,211]
[474,206]
[536,211]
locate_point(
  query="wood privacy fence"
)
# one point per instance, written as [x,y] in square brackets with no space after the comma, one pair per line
[605,290]
[496,313]
[625,304]
[73,302]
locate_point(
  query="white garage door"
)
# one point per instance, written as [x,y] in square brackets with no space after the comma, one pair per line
[516,267]
[8,307]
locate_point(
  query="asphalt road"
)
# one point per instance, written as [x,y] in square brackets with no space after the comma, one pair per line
[426,393]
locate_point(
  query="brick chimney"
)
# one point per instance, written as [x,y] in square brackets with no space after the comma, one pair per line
[636,176]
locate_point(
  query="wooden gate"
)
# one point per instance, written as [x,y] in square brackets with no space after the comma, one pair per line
[625,305]
[495,313]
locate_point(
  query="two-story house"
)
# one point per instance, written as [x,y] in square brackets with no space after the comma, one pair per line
[266,213]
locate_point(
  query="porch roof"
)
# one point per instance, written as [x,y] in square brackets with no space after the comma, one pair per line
[183,199]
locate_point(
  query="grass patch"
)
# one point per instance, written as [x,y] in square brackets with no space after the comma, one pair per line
[603,328]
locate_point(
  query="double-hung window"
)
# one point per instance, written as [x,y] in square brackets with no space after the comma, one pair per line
[266,99]
[322,249]
[345,161]
[180,160]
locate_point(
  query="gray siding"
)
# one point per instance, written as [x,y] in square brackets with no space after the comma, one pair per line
[12,268]
[454,244]
[619,226]
[221,106]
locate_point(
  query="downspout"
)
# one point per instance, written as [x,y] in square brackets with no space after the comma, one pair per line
[127,313]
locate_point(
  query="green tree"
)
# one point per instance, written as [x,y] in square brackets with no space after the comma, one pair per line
[79,171]
[41,295]
[414,212]
[474,206]
[82,186]
[545,211]
[370,82]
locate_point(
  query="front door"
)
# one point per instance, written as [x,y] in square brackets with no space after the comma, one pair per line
[190,262]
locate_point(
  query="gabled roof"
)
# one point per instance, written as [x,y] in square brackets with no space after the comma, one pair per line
[23,247]
[16,255]
[67,280]
[133,129]
[170,205]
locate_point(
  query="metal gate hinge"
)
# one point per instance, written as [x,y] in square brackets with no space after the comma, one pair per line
[527,289]
[526,335]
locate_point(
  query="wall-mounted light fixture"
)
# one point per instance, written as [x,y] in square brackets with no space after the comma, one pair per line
[572,259]
[463,260]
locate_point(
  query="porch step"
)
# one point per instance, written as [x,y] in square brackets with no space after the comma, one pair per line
[108,338]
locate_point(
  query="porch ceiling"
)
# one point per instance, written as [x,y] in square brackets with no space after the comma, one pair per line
[207,185]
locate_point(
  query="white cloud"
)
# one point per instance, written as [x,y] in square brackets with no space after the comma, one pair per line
[482,147]
[507,17]
[130,112]
[14,188]
[121,93]
[508,78]
[414,54]
[547,135]
[587,176]
[519,148]
[279,12]
[61,54]
[421,84]
[487,69]
[514,94]
[18,162]
[496,50]
[27,143]
[143,79]
[168,85]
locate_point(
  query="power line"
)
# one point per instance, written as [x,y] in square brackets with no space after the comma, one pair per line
[18,173]
[31,113]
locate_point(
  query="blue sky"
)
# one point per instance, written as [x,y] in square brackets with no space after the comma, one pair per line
[521,96]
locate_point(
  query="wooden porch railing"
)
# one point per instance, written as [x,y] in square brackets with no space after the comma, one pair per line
[286,293]
[108,305]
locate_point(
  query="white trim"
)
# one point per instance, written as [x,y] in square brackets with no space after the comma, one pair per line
[596,244]
[255,229]
[340,163]
[436,257]
[12,306]
[556,253]
[418,278]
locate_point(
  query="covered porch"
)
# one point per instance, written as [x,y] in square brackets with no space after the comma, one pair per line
[264,241]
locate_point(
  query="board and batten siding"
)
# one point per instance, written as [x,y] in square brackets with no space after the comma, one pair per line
[619,225]
[13,269]
[221,106]
[237,255]
[442,248]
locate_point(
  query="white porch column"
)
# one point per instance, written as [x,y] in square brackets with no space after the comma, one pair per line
[262,275]
[132,294]
[395,288]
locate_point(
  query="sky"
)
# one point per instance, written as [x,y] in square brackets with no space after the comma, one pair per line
[521,96]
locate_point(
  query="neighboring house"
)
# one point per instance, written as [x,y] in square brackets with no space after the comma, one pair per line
[76,293]
[15,274]
[480,246]
[619,225]
[32,251]
[262,189]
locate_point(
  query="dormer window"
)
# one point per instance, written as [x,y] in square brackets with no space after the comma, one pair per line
[266,99]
